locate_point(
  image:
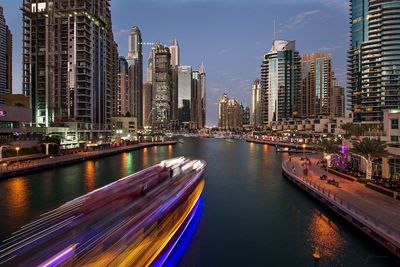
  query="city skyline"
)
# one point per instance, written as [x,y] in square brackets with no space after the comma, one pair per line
[232,63]
[200,132]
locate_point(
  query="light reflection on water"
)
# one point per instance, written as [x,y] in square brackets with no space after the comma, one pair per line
[251,216]
[17,196]
[325,235]
[90,175]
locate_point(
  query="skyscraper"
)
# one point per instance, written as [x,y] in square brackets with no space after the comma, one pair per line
[338,99]
[175,53]
[162,83]
[374,59]
[150,68]
[5,57]
[256,109]
[135,61]
[316,85]
[196,98]
[245,115]
[124,94]
[280,82]
[199,97]
[359,34]
[69,62]
[230,114]
[113,79]
[203,79]
[147,103]
[174,93]
[175,62]
[184,93]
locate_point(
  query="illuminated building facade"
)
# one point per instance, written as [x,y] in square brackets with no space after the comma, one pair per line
[70,63]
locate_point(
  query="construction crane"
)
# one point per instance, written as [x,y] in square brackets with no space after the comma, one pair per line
[144,43]
[151,43]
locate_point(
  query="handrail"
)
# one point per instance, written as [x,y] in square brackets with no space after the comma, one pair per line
[389,231]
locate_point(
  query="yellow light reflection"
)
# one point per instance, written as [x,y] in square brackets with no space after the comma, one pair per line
[145,157]
[251,147]
[124,161]
[325,235]
[90,174]
[17,196]
[265,148]
[169,151]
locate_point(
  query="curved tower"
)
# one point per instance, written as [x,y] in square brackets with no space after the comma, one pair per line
[374,59]
[135,61]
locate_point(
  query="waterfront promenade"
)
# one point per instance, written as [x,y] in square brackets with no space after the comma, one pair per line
[280,144]
[374,213]
[30,166]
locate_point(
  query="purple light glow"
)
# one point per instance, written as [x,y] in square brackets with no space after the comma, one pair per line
[60,257]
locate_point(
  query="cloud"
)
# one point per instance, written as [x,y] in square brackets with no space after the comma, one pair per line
[297,20]
[223,52]
[339,4]
[330,48]
[121,33]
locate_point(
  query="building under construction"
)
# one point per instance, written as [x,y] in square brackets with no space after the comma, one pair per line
[70,64]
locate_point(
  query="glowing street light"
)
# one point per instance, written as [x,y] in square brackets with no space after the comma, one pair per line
[17,149]
[304,150]
[328,162]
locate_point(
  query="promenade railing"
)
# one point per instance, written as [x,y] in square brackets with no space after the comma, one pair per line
[390,232]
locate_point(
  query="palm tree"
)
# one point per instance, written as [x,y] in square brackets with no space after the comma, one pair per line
[358,130]
[347,128]
[353,129]
[329,147]
[369,149]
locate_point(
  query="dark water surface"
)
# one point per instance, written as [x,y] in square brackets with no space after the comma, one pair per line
[250,214]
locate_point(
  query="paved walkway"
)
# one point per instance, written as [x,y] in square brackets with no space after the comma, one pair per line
[374,204]
[25,166]
[25,157]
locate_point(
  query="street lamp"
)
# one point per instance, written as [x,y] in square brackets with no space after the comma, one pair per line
[328,161]
[17,149]
[304,150]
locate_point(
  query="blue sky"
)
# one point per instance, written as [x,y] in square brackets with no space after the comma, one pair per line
[229,36]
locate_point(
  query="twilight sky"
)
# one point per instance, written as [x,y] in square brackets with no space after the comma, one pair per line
[229,36]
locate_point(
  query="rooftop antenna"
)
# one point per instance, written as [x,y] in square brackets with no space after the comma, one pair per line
[274,30]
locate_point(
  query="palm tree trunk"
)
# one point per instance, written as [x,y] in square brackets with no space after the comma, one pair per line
[369,169]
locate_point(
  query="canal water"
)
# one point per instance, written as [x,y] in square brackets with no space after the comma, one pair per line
[249,216]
